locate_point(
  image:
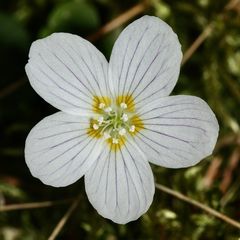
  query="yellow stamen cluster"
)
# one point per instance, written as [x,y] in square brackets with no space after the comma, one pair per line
[113,122]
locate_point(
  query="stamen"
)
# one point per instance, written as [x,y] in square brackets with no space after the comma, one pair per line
[124,117]
[108,109]
[101,105]
[106,135]
[132,128]
[95,126]
[114,123]
[100,120]
[122,131]
[115,141]
[123,105]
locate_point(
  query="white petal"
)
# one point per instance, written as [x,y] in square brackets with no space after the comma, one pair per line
[178,131]
[145,60]
[120,184]
[59,151]
[67,71]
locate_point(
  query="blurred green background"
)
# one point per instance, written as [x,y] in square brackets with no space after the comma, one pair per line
[213,73]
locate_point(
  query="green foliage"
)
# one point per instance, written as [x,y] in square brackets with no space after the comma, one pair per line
[12,33]
[213,73]
[76,17]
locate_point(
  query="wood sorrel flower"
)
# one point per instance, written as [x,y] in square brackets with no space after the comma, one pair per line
[115,117]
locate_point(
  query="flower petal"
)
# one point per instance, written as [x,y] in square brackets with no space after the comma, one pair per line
[59,151]
[145,60]
[178,131]
[67,71]
[120,184]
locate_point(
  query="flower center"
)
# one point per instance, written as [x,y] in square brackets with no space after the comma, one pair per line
[114,122]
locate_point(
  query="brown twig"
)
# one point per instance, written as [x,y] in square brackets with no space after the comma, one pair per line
[229,195]
[233,87]
[232,5]
[22,206]
[12,87]
[118,21]
[212,171]
[196,44]
[199,205]
[206,32]
[228,172]
[230,139]
[64,219]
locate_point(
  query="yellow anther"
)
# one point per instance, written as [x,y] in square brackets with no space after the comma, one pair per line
[132,128]
[115,141]
[95,126]
[101,105]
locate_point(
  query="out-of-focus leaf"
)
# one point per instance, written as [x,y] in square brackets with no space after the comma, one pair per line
[76,17]
[12,33]
[9,233]
[234,63]
[11,152]
[12,191]
[162,9]
[168,218]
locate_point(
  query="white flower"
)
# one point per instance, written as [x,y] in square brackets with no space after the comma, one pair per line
[98,100]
